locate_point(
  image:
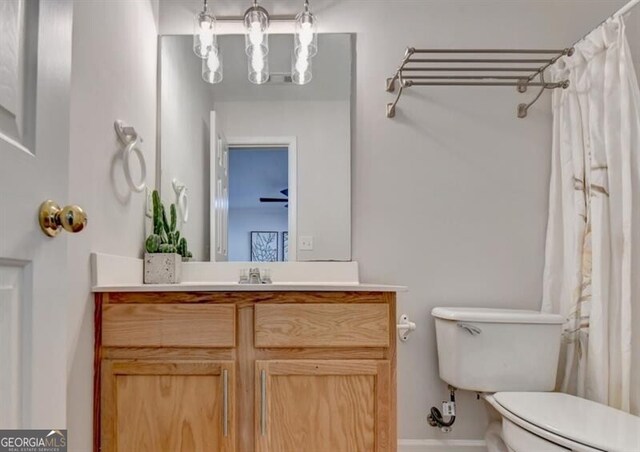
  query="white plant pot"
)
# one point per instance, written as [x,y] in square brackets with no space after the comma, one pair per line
[162,268]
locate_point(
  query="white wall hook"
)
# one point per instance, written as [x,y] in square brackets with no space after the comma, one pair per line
[130,138]
[126,134]
[405,327]
[182,199]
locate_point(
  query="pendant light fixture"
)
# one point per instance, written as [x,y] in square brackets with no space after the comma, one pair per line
[212,67]
[205,45]
[305,45]
[256,25]
[301,70]
[204,32]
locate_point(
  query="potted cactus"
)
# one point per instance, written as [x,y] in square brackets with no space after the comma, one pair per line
[164,248]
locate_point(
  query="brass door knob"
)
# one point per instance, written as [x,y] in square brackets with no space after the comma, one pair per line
[71,218]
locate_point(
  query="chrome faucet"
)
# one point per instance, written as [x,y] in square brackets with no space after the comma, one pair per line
[254,276]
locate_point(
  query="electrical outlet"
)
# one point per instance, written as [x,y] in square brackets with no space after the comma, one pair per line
[305,243]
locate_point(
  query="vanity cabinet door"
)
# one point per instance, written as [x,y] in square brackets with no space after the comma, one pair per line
[323,405]
[168,406]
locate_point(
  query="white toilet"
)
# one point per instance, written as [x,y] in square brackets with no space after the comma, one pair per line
[510,357]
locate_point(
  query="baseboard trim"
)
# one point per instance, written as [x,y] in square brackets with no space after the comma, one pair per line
[441,445]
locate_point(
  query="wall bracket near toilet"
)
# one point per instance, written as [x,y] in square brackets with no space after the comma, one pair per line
[405,327]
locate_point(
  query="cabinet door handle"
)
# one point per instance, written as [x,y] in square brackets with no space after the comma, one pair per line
[225,402]
[263,402]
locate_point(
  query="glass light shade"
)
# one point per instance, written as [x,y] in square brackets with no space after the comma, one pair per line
[204,34]
[301,69]
[306,34]
[256,26]
[258,67]
[212,67]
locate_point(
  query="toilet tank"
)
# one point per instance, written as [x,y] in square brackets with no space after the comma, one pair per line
[492,350]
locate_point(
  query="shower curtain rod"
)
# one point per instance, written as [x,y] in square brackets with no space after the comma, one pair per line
[626,8]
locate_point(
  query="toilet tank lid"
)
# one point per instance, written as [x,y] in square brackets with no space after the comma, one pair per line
[487,315]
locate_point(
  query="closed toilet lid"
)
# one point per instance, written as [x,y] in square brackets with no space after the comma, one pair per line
[576,419]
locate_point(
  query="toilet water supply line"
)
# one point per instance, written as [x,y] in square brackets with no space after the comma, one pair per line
[436,418]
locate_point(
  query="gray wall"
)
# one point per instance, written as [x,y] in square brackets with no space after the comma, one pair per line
[185,104]
[450,197]
[113,76]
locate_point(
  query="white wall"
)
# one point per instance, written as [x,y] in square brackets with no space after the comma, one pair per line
[323,163]
[185,104]
[450,197]
[113,77]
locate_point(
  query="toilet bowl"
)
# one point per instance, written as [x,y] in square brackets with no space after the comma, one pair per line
[551,421]
[510,358]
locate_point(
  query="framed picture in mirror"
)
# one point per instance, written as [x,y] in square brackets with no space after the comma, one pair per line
[285,246]
[264,246]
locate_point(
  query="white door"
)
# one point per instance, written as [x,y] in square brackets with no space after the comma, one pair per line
[219,192]
[35,67]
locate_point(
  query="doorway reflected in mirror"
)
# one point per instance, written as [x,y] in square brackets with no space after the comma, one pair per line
[258,203]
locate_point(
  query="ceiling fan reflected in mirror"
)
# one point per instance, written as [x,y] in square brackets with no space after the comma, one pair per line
[285,192]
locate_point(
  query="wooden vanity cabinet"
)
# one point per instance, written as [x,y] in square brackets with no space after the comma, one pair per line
[245,371]
[323,405]
[167,404]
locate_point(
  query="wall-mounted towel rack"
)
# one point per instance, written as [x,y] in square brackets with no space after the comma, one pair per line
[519,68]
[182,199]
[130,139]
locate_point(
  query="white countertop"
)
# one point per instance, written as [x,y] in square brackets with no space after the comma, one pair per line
[124,274]
[235,287]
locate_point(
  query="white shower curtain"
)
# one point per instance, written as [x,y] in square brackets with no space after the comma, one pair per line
[593,237]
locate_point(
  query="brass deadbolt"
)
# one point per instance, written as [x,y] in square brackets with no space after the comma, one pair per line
[70,218]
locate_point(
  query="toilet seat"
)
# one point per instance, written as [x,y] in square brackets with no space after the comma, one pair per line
[534,429]
[570,421]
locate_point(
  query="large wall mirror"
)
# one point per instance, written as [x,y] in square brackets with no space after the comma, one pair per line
[258,172]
